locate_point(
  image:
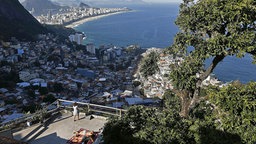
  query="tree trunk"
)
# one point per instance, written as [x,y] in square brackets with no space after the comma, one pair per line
[189,99]
[185,103]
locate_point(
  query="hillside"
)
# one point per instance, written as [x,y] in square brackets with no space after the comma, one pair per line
[83,5]
[17,22]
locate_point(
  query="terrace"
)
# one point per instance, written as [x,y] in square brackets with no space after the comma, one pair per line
[59,127]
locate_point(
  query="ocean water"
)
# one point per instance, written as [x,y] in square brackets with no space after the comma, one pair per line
[153,26]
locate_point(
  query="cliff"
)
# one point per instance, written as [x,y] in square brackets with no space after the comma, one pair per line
[17,22]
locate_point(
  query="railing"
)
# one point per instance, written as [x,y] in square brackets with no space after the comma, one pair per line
[39,115]
[88,107]
[64,104]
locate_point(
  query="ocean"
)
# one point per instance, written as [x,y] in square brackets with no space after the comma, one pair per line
[153,26]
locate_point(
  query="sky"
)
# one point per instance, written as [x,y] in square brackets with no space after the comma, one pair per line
[163,1]
[152,1]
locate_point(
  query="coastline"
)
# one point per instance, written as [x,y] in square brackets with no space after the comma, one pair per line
[79,22]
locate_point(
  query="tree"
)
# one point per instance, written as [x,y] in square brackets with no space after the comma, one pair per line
[32,108]
[58,87]
[149,64]
[149,125]
[235,110]
[43,90]
[31,94]
[136,83]
[212,29]
[49,98]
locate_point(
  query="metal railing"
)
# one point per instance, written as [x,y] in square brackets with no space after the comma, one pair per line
[64,104]
[88,107]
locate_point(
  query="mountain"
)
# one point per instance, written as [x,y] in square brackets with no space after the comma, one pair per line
[68,2]
[83,5]
[98,2]
[38,7]
[17,22]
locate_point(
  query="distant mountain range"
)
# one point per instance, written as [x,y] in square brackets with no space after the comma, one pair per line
[83,5]
[16,21]
[38,7]
[43,7]
[98,2]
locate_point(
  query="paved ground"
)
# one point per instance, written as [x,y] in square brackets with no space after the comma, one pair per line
[59,130]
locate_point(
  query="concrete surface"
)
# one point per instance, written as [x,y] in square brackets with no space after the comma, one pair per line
[59,130]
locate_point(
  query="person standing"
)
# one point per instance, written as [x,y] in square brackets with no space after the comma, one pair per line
[75,111]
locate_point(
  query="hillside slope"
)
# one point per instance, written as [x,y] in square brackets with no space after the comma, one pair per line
[17,22]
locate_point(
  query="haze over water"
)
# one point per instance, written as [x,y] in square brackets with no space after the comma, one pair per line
[153,26]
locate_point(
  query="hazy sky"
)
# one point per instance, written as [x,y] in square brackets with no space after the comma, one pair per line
[163,1]
[153,1]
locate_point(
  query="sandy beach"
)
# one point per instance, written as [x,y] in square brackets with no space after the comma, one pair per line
[77,23]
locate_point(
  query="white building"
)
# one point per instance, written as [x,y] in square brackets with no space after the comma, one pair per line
[91,48]
[78,38]
[24,76]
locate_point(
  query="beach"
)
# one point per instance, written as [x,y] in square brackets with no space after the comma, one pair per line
[87,19]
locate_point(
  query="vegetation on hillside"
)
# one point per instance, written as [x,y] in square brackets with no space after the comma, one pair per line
[213,29]
[149,64]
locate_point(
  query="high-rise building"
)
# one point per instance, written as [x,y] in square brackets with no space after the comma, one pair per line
[91,48]
[78,38]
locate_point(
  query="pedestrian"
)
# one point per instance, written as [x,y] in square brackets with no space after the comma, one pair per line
[75,111]
[28,123]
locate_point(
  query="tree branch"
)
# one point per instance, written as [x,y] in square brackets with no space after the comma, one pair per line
[252,52]
[196,99]
[209,70]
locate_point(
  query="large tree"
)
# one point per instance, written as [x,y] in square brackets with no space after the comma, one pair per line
[212,29]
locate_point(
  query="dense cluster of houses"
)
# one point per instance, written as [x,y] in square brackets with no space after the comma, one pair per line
[157,84]
[102,75]
[98,75]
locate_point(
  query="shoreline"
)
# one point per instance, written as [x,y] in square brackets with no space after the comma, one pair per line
[84,20]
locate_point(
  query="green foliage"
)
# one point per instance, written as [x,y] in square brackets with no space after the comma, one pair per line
[217,121]
[171,102]
[143,125]
[136,83]
[236,106]
[43,90]
[149,64]
[184,76]
[31,94]
[49,98]
[11,101]
[209,29]
[57,87]
[212,28]
[32,108]
[9,80]
[60,30]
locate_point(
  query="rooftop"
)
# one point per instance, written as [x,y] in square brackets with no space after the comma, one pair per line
[59,129]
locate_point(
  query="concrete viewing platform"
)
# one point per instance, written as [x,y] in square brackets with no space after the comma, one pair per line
[59,129]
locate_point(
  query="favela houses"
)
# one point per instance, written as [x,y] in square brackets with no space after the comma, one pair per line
[127,72]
